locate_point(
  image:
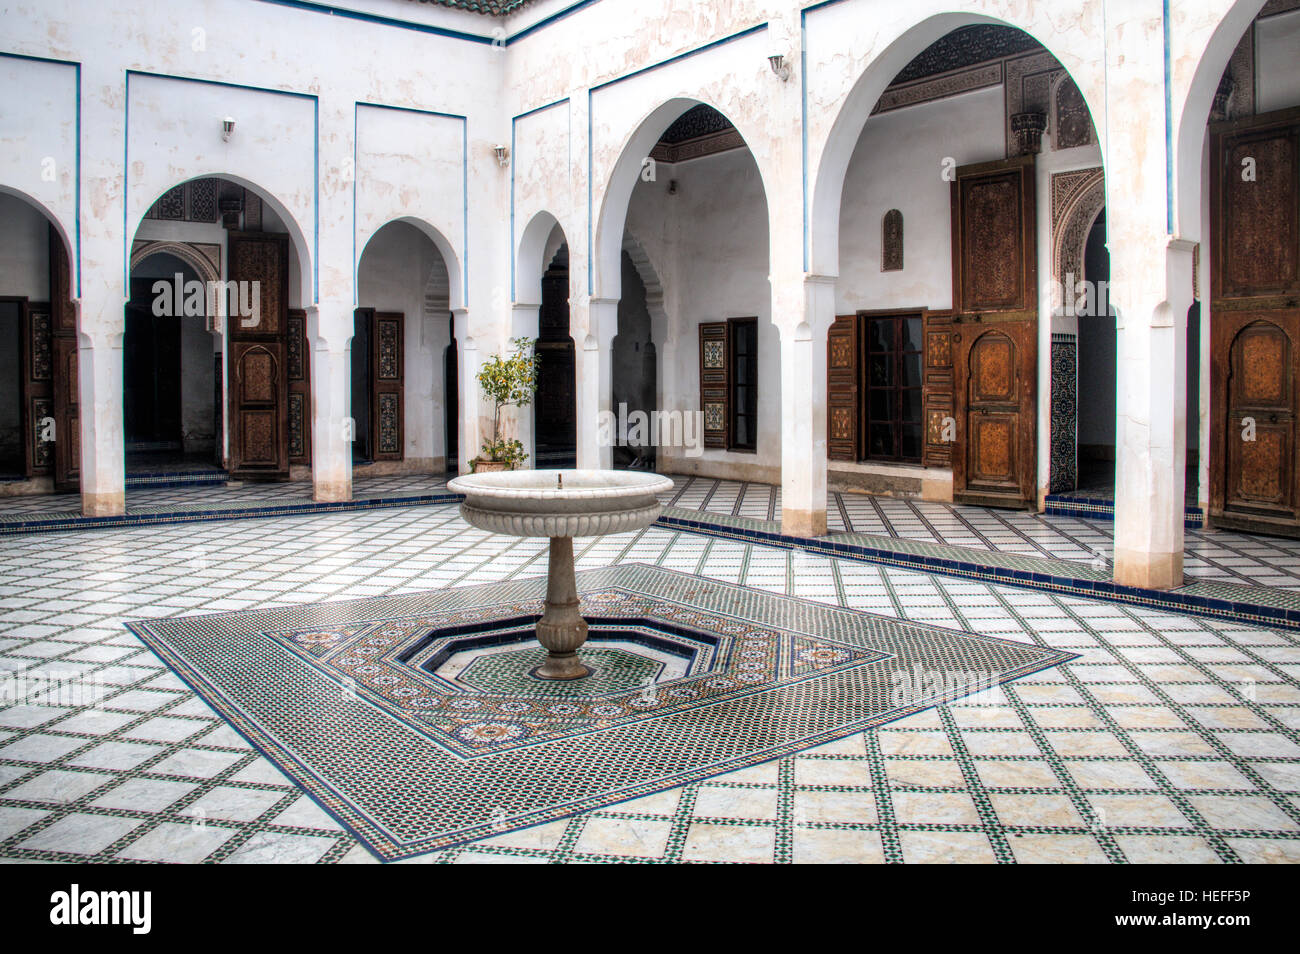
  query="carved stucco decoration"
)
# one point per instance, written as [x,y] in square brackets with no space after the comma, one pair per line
[1077,198]
[1071,121]
[1029,128]
[1028,89]
[1235,96]
[203,257]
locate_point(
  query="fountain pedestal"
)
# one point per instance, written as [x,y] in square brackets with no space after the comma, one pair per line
[561,630]
[561,505]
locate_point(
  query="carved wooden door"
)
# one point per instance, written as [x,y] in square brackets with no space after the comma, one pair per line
[37,388]
[843,401]
[259,382]
[1255,323]
[299,370]
[386,382]
[1261,409]
[994,333]
[995,435]
[66,394]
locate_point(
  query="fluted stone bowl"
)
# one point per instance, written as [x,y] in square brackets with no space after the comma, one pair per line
[560,503]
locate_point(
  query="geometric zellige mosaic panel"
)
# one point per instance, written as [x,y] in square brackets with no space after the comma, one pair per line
[404,789]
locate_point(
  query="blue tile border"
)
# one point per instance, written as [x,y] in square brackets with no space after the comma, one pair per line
[1103,508]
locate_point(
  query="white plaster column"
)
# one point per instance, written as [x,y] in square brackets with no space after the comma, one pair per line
[524,322]
[329,331]
[471,402]
[1151,430]
[1151,285]
[803,400]
[594,382]
[100,423]
[102,294]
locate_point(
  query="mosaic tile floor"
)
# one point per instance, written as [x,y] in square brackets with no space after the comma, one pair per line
[233,495]
[1171,738]
[1210,554]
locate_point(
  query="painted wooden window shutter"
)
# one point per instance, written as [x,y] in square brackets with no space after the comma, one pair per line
[715,382]
[843,407]
[937,393]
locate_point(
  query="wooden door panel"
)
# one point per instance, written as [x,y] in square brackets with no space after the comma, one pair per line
[993,445]
[67,416]
[994,337]
[37,388]
[1255,323]
[715,383]
[387,375]
[1259,470]
[993,228]
[258,353]
[843,402]
[993,370]
[299,372]
[938,389]
[993,463]
[66,395]
[1255,201]
[1259,436]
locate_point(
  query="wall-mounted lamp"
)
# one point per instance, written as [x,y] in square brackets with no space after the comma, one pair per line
[672,186]
[227,128]
[777,62]
[502,153]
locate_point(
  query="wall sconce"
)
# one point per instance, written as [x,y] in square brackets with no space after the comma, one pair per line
[672,186]
[227,128]
[779,67]
[502,153]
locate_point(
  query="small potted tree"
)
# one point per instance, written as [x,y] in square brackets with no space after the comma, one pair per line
[508,382]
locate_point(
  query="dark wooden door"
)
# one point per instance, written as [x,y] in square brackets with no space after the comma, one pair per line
[37,389]
[66,400]
[994,333]
[843,400]
[259,383]
[299,368]
[1255,323]
[387,376]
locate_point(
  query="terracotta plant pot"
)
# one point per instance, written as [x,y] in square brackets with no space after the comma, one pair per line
[485,466]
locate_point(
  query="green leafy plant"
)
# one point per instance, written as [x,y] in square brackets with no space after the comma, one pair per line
[509,381]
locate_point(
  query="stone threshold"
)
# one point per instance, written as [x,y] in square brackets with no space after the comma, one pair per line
[1255,605]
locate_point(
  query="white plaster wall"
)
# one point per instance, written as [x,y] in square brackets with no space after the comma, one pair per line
[410,165]
[898,165]
[38,135]
[1277,62]
[24,250]
[176,125]
[709,246]
[396,268]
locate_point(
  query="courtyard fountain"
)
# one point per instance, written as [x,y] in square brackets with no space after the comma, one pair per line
[560,505]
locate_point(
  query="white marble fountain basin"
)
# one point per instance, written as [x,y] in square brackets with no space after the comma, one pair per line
[532,503]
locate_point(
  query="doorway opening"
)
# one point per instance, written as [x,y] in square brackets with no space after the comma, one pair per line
[555,418]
